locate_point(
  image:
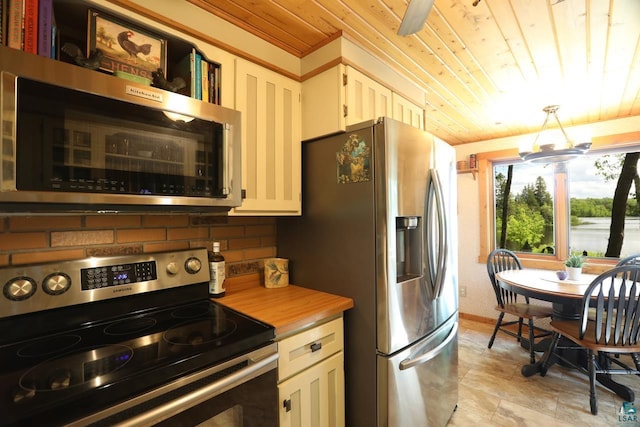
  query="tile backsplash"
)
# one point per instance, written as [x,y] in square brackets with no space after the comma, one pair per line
[244,241]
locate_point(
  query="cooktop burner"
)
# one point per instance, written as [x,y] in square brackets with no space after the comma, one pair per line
[48,346]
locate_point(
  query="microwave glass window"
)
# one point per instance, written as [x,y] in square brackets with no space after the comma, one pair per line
[76,141]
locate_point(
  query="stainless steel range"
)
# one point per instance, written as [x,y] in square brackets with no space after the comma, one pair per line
[131,340]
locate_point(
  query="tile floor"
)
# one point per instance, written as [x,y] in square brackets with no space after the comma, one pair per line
[493,392]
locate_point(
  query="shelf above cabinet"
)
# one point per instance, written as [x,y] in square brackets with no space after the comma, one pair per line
[473,172]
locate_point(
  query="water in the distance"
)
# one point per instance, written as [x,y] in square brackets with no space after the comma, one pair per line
[593,236]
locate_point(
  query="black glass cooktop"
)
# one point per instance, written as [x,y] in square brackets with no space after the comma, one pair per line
[98,364]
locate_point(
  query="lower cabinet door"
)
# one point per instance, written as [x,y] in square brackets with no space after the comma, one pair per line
[315,396]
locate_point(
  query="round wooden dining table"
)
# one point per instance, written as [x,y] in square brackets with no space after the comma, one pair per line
[565,295]
[566,299]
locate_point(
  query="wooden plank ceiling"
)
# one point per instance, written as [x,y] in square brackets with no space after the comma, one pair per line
[488,69]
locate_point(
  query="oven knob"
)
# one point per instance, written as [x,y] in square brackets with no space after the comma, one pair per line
[172,269]
[19,288]
[193,265]
[60,380]
[22,394]
[56,283]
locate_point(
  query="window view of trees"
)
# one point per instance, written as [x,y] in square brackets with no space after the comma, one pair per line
[524,220]
[603,195]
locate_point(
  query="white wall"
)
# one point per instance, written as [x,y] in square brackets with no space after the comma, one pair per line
[480,299]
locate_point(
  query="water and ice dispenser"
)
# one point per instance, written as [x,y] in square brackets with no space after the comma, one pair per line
[408,247]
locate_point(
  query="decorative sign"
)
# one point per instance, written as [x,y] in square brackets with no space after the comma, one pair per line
[126,47]
[354,161]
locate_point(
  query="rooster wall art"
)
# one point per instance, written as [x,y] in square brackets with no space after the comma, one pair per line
[131,47]
[125,48]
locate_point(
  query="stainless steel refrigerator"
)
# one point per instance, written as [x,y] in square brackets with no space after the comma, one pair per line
[379,225]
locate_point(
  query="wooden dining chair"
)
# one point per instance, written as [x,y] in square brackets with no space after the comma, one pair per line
[632,260]
[615,329]
[510,303]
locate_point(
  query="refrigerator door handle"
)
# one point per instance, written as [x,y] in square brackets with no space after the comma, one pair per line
[409,363]
[435,194]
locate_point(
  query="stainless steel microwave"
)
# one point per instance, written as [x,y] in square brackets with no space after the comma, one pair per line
[75,139]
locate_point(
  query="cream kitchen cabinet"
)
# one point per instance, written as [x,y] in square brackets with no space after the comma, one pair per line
[271,161]
[342,96]
[406,111]
[311,377]
[366,99]
[339,97]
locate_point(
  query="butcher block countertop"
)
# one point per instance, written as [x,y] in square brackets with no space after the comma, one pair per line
[289,309]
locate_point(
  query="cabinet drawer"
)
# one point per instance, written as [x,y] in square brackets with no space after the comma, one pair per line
[302,350]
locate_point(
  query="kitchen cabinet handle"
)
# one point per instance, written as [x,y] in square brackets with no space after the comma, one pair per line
[286,404]
[316,346]
[228,165]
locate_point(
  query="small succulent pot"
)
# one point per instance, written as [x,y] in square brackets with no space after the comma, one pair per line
[573,273]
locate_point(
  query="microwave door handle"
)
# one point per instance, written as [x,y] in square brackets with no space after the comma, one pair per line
[443,246]
[227,165]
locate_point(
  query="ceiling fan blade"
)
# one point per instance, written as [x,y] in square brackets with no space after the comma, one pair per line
[415,16]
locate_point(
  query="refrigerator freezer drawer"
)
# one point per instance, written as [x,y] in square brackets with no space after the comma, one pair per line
[419,385]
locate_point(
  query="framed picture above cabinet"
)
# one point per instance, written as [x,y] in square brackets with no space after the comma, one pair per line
[125,47]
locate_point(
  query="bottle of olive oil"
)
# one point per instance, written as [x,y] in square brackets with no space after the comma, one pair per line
[216,269]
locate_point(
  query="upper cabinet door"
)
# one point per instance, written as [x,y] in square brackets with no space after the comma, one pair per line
[271,121]
[341,96]
[366,98]
[407,112]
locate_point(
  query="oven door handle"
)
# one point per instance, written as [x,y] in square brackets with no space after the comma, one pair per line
[203,394]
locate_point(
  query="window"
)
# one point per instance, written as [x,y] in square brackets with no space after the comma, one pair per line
[588,205]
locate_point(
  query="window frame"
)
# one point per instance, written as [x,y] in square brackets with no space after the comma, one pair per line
[486,161]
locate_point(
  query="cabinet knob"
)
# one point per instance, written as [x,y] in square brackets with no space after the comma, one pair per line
[316,346]
[286,404]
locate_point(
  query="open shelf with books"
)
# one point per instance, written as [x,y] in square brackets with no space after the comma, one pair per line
[77,32]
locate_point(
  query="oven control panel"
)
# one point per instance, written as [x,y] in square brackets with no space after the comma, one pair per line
[114,275]
[31,288]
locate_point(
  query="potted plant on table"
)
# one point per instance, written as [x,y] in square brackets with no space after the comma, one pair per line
[573,265]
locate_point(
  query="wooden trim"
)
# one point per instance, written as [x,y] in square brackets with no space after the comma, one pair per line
[485,207]
[620,139]
[507,154]
[322,69]
[562,210]
[476,318]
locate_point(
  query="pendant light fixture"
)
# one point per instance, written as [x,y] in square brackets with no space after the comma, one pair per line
[546,151]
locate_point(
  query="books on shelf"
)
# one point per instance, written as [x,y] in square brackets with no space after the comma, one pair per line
[30,43]
[28,25]
[200,75]
[204,71]
[3,22]
[15,23]
[185,68]
[45,27]
[197,66]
